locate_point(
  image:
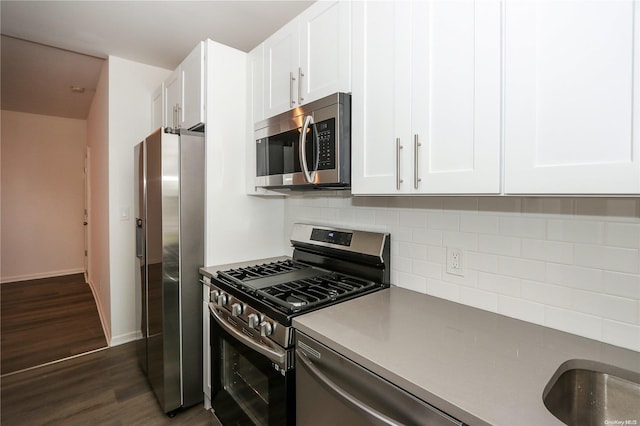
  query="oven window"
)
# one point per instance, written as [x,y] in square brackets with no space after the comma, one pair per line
[247,385]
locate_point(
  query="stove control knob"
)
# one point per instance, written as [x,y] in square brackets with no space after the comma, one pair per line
[214,295]
[223,299]
[265,329]
[237,309]
[253,320]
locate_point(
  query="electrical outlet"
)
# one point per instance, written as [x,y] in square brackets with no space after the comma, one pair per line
[455,264]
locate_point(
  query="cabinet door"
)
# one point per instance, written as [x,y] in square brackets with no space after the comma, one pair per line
[255,85]
[192,112]
[172,97]
[325,50]
[572,96]
[380,97]
[158,110]
[281,58]
[455,114]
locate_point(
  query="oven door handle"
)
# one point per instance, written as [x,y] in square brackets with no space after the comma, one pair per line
[274,355]
[376,417]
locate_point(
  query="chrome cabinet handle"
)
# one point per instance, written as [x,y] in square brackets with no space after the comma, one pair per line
[291,80]
[275,355]
[416,146]
[300,75]
[373,415]
[310,177]
[398,148]
[178,116]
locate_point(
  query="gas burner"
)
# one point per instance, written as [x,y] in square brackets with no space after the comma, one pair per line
[248,273]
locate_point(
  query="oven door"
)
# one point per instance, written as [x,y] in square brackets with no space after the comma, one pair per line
[246,387]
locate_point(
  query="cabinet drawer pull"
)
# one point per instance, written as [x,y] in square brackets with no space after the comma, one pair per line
[398,148]
[416,151]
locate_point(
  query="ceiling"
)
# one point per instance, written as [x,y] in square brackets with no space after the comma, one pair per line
[49,46]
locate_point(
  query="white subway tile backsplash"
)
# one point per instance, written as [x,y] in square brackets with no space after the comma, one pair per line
[569,264]
[427,236]
[621,334]
[607,258]
[412,251]
[494,205]
[521,268]
[463,204]
[482,262]
[499,284]
[547,206]
[443,290]
[574,276]
[575,231]
[444,221]
[550,251]
[548,294]
[387,217]
[427,269]
[615,208]
[437,254]
[483,224]
[412,282]
[605,306]
[522,227]
[462,240]
[479,298]
[413,219]
[623,285]
[498,244]
[622,235]
[573,322]
[521,309]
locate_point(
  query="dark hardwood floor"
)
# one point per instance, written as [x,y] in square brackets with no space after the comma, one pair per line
[46,320]
[106,387]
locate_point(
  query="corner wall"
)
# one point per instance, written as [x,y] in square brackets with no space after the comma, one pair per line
[129,110]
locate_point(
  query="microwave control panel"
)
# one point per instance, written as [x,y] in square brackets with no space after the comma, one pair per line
[326,144]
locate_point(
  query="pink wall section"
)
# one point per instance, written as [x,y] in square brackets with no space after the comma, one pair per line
[42,195]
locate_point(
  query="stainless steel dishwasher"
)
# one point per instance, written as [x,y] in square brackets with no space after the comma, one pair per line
[333,390]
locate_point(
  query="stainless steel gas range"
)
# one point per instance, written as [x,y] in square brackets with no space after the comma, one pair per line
[252,306]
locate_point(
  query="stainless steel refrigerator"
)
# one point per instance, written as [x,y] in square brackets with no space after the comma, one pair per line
[169,188]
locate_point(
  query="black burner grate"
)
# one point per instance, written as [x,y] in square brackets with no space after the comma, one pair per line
[259,271]
[304,294]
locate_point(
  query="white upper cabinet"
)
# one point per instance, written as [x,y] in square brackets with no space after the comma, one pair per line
[184,92]
[308,58]
[426,97]
[325,50]
[572,97]
[192,113]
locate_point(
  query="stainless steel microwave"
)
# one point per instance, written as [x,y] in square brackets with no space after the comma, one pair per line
[308,147]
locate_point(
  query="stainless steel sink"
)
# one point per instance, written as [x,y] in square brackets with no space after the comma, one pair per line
[589,393]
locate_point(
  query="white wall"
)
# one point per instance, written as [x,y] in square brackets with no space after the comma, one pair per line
[238,227]
[569,264]
[42,196]
[98,144]
[130,87]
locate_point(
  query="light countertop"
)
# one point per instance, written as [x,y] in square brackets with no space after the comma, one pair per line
[480,367]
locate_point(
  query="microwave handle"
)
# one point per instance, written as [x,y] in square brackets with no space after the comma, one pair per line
[310,177]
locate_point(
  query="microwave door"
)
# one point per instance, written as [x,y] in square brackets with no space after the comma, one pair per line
[309,136]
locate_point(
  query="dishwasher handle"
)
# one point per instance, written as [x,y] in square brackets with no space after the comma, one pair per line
[376,417]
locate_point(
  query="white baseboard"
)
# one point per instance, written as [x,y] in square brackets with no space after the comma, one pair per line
[39,275]
[105,329]
[125,338]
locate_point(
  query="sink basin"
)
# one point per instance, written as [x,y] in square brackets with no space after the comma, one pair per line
[588,393]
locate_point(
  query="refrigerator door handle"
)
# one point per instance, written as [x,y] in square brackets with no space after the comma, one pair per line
[139,253]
